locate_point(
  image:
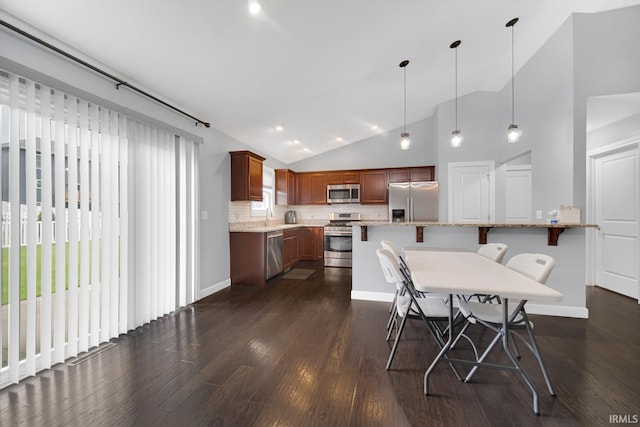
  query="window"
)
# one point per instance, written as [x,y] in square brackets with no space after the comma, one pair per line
[265,207]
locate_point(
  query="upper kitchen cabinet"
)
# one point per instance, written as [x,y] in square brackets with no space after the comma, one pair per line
[285,187]
[246,176]
[373,187]
[425,173]
[343,177]
[311,188]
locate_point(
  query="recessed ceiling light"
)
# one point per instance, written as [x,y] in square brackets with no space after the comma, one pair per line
[374,127]
[338,139]
[254,7]
[279,128]
[296,141]
[305,149]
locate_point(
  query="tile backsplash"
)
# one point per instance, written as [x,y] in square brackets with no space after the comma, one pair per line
[241,212]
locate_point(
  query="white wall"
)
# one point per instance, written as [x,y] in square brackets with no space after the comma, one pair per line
[606,62]
[615,132]
[380,151]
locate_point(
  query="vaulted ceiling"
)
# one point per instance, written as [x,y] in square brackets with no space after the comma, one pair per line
[327,71]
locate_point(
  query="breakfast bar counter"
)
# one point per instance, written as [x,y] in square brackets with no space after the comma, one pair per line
[569,277]
[553,230]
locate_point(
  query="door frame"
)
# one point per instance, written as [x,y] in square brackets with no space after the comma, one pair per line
[629,143]
[492,186]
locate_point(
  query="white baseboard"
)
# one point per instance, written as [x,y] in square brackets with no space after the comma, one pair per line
[217,287]
[372,296]
[558,310]
[548,310]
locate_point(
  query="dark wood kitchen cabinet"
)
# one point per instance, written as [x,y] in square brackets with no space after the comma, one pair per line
[343,177]
[285,187]
[291,247]
[246,176]
[247,259]
[425,173]
[373,187]
[312,243]
[311,188]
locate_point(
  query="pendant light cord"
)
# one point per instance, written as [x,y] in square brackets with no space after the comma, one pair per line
[456,49]
[513,91]
[405,100]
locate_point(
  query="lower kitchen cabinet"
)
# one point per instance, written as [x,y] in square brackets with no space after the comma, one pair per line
[247,258]
[291,248]
[313,243]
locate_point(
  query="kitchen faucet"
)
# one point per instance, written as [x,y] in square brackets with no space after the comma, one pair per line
[268,214]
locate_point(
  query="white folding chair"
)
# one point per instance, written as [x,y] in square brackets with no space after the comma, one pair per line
[430,309]
[493,251]
[536,266]
[406,274]
[388,245]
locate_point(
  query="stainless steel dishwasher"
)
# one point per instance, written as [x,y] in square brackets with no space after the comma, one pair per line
[275,241]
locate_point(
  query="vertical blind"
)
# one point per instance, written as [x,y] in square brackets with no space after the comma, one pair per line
[99,225]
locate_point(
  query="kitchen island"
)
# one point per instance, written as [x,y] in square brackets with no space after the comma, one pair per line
[568,277]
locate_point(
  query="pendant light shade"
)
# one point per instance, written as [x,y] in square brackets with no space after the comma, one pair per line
[405,140]
[456,136]
[456,139]
[513,132]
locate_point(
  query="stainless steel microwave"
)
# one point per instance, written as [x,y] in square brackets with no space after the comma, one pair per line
[343,193]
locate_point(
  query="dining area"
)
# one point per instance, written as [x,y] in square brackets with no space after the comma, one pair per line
[449,290]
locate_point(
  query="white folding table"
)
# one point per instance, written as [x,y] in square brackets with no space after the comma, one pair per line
[467,273]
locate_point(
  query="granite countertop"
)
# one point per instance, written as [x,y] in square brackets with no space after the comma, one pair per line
[262,227]
[466,224]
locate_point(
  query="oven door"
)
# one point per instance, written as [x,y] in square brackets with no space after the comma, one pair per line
[337,248]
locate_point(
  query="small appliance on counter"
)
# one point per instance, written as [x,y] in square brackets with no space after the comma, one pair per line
[290,217]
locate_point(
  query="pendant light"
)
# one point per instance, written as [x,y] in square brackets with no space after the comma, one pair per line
[456,136]
[513,133]
[405,141]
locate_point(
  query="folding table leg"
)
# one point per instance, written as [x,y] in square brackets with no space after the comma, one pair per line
[536,352]
[514,360]
[442,352]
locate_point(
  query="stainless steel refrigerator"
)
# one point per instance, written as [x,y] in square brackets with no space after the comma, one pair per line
[413,201]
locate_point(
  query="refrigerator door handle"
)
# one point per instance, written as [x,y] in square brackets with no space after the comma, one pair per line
[410,209]
[407,217]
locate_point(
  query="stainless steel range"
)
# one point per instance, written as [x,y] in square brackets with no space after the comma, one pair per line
[338,240]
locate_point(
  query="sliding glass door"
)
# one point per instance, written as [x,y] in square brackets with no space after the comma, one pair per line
[98,225]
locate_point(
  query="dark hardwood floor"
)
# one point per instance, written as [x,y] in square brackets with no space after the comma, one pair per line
[302,353]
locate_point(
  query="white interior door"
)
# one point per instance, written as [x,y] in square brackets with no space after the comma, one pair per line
[518,194]
[617,206]
[471,189]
